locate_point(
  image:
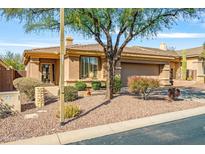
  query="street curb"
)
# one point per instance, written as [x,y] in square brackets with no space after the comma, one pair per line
[108,129]
[41,140]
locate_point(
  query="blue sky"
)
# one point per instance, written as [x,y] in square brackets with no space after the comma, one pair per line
[183,35]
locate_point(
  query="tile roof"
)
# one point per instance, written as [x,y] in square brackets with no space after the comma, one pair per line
[192,51]
[153,51]
[97,47]
[138,50]
[44,50]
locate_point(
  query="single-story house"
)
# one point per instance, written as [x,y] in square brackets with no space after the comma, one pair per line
[87,63]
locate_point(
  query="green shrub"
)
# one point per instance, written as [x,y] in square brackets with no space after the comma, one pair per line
[96,85]
[70,111]
[80,85]
[70,93]
[142,85]
[117,84]
[27,86]
[189,78]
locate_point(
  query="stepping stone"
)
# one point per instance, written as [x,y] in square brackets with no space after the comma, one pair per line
[31,116]
[42,111]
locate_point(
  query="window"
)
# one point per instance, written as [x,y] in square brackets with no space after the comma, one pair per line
[88,67]
[45,73]
[53,71]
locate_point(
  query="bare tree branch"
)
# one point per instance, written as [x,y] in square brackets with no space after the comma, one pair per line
[118,51]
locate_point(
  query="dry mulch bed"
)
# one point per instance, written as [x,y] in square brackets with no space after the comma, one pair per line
[96,111]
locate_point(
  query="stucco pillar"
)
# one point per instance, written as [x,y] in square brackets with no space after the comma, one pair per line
[74,65]
[57,73]
[200,71]
[103,69]
[34,68]
[164,76]
[66,69]
[178,70]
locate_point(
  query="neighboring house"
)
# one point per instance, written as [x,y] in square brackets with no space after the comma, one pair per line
[87,63]
[195,65]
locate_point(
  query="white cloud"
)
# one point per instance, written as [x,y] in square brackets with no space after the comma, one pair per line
[32,45]
[181,35]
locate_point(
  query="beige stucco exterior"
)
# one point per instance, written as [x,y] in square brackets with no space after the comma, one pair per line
[176,67]
[73,62]
[33,68]
[194,63]
[71,68]
[129,65]
[159,64]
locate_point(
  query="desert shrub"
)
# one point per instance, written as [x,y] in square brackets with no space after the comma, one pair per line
[5,110]
[96,85]
[70,93]
[70,111]
[27,86]
[117,84]
[80,85]
[142,85]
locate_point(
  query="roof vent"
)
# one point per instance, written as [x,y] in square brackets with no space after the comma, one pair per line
[163,46]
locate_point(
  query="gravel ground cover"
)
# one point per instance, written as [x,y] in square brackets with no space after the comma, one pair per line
[95,111]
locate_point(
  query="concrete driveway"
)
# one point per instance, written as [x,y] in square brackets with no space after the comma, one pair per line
[187,93]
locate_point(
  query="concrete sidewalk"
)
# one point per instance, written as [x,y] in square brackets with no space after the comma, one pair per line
[102,130]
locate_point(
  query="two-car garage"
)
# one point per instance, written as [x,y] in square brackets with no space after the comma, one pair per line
[138,69]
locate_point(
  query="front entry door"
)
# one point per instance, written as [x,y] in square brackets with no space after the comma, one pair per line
[48,74]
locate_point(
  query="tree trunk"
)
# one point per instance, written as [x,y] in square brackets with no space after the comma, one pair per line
[110,79]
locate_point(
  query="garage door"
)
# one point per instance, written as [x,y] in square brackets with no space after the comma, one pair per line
[130,69]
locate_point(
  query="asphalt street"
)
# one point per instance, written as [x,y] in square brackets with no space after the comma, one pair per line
[189,131]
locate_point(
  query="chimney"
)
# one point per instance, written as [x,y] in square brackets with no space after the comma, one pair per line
[69,41]
[163,46]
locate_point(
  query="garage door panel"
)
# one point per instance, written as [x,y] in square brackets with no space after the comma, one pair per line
[131,69]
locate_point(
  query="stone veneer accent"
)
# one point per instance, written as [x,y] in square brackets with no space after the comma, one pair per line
[39,97]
